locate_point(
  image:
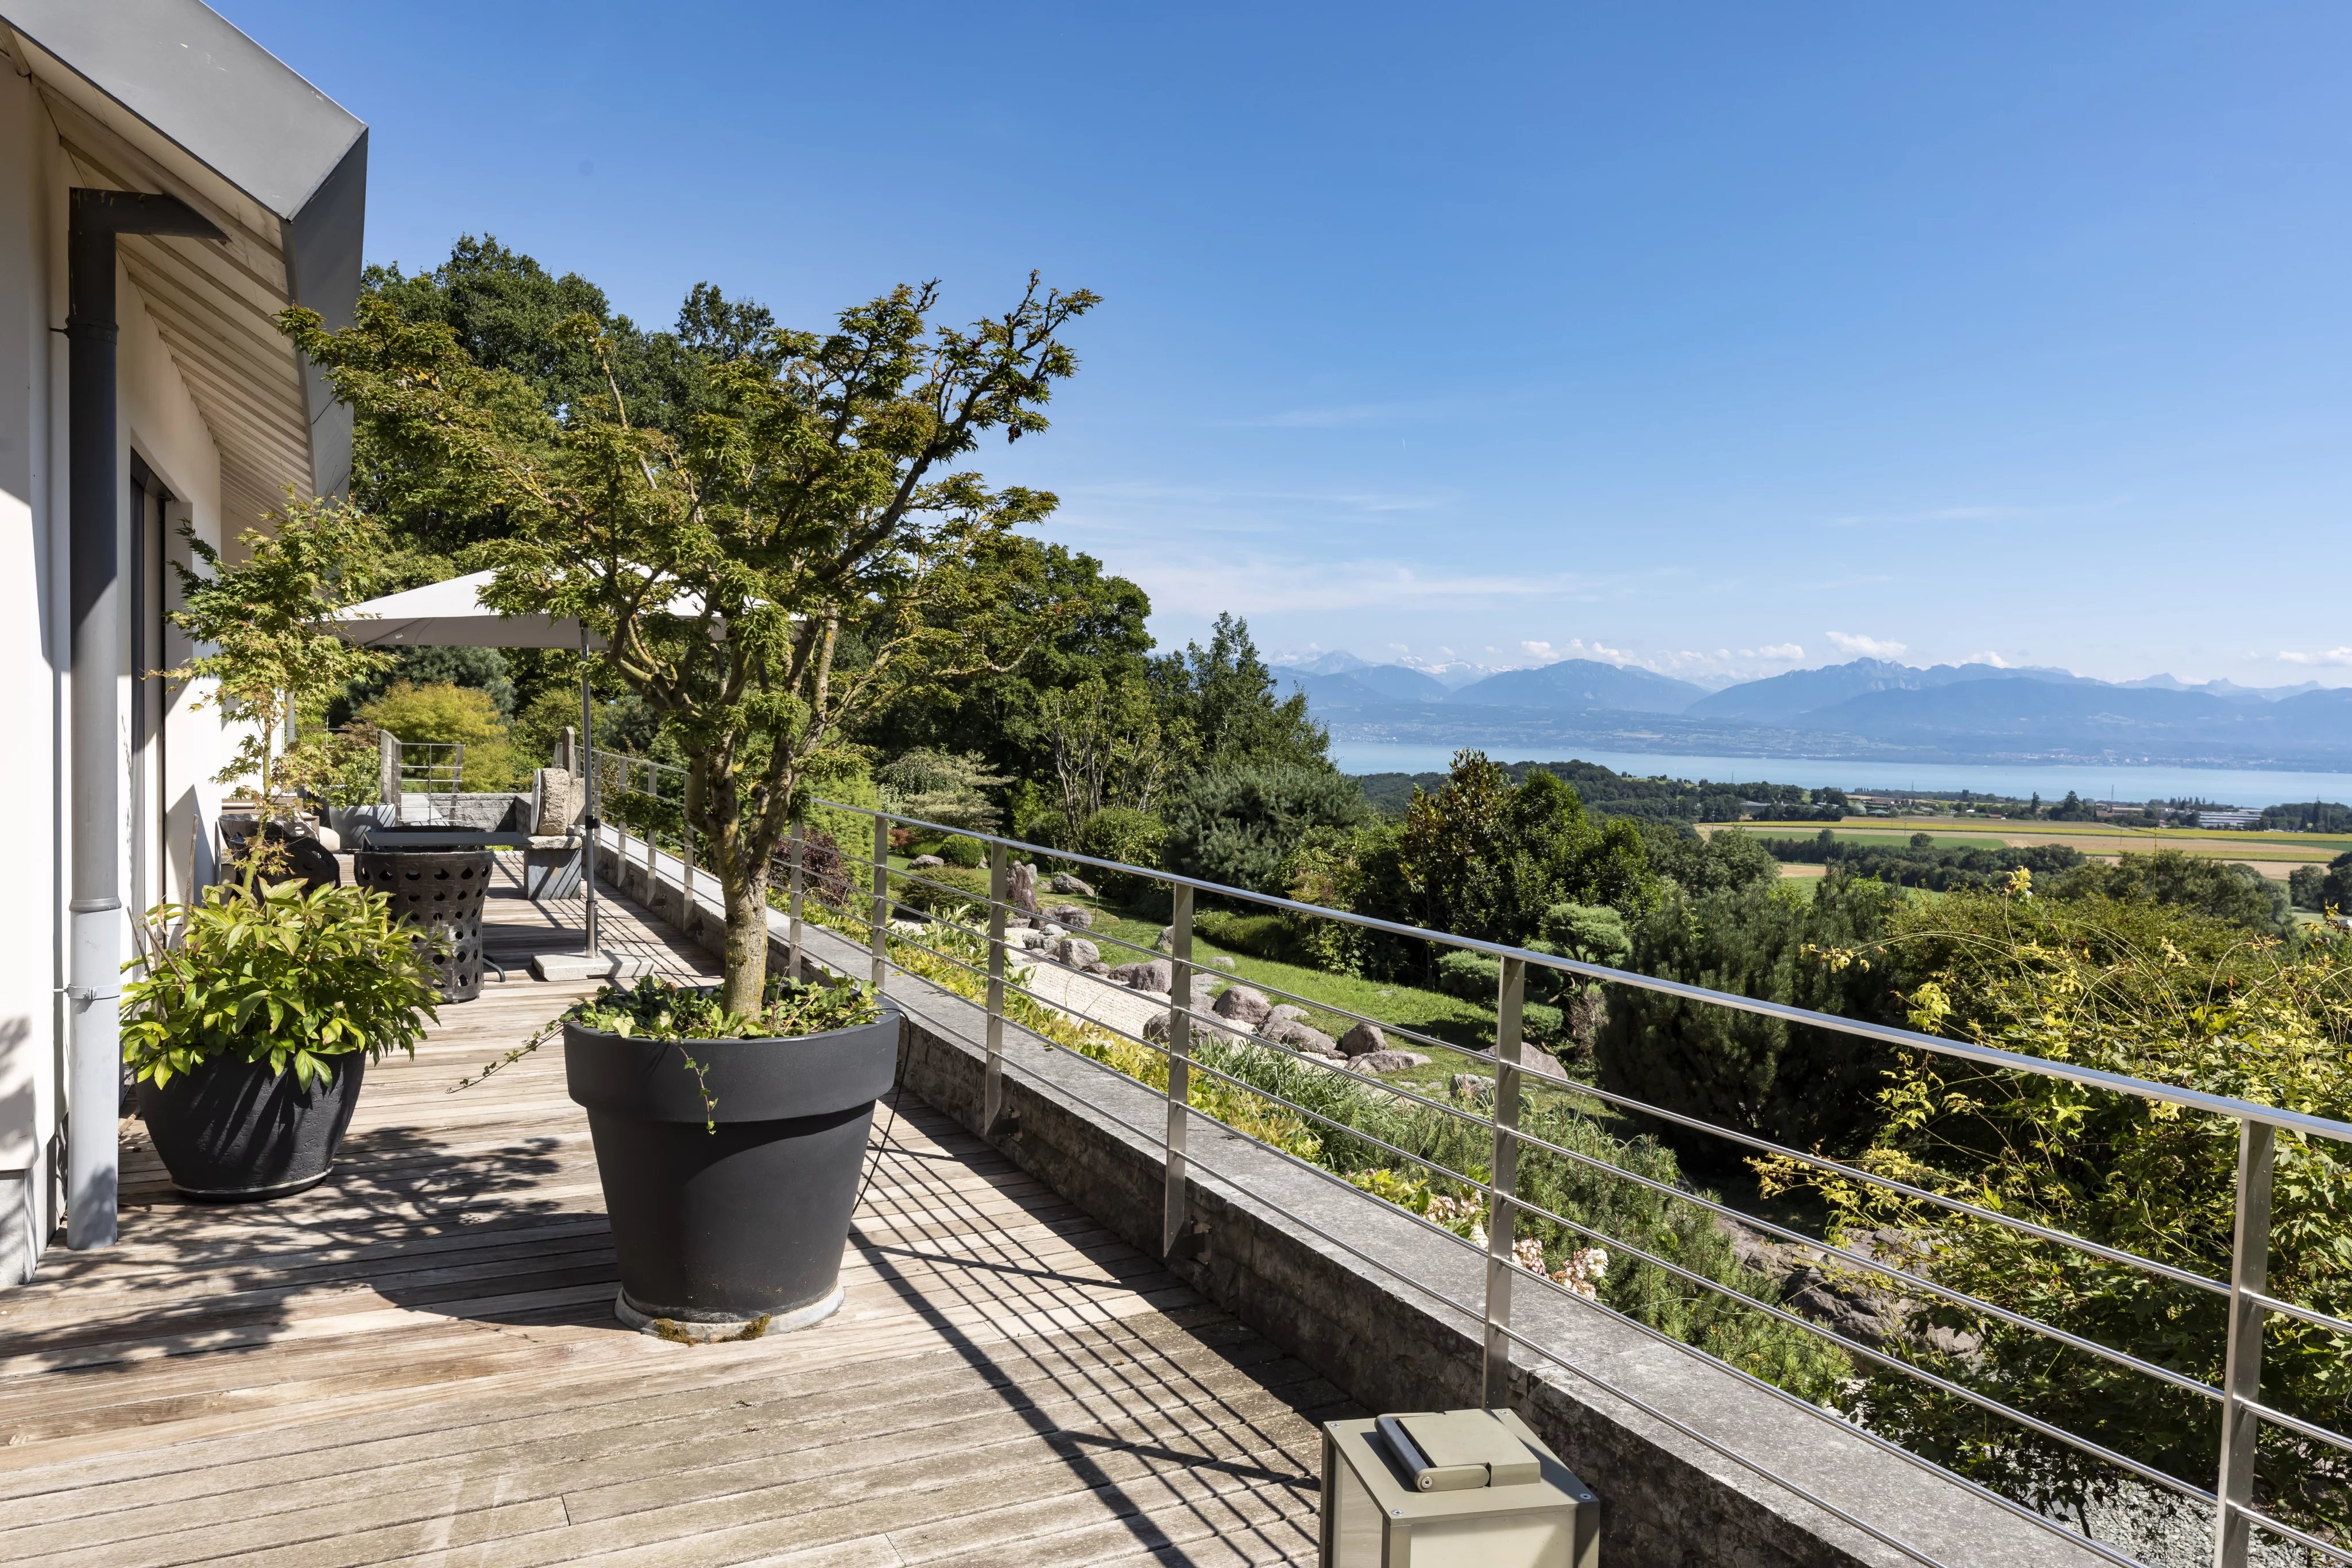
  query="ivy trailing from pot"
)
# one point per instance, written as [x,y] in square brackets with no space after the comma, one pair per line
[251,1015]
[662,1010]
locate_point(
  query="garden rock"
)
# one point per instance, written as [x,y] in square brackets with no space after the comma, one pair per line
[1063,882]
[1243,1005]
[1078,918]
[1076,952]
[1152,974]
[1096,968]
[1465,1087]
[1156,1026]
[1021,890]
[1363,1041]
[1300,1037]
[1289,1011]
[1027,938]
[923,862]
[1223,961]
[1387,1061]
[1166,940]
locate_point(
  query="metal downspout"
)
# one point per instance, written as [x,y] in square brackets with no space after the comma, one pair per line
[94,1040]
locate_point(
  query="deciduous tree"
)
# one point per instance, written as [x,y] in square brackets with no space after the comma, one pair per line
[774,572]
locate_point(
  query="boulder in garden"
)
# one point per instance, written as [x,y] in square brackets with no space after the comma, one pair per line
[1289,1011]
[1301,1037]
[1020,889]
[1152,975]
[1064,882]
[1076,952]
[1387,1061]
[924,862]
[1077,916]
[1243,1005]
[1363,1041]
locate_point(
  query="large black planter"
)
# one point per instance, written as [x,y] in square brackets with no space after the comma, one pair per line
[729,1233]
[231,1132]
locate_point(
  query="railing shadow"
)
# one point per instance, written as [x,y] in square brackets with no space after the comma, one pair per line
[1149,1407]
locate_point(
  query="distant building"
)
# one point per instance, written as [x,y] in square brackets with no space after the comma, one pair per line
[2230,817]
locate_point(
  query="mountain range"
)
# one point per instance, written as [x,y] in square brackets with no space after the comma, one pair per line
[1871,708]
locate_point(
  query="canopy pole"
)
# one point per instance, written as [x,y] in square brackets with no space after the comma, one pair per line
[588,749]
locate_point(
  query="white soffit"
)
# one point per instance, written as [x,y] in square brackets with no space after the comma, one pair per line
[164,96]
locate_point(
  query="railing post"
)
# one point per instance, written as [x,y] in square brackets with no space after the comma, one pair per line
[2242,1378]
[653,793]
[387,770]
[1502,1211]
[792,904]
[992,1077]
[1175,1211]
[881,898]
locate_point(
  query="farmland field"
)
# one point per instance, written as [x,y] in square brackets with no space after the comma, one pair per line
[2274,854]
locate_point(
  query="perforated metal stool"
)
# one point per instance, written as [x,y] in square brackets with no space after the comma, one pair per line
[439,893]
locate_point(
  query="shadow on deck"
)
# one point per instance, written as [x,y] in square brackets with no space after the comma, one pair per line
[416,1361]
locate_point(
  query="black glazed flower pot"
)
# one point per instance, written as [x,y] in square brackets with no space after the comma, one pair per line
[732,1232]
[232,1132]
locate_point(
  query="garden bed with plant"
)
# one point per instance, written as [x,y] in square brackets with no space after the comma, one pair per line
[1680,1233]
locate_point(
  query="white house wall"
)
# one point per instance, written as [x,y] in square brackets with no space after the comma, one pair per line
[160,420]
[31,384]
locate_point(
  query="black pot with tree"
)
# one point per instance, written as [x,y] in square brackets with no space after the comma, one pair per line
[773,556]
[729,1146]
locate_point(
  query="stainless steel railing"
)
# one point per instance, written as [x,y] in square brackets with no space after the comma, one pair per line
[2241,1411]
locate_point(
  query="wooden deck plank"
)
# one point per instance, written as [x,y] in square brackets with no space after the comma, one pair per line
[415,1362]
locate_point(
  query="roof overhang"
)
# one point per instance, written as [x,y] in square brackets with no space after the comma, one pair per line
[164,96]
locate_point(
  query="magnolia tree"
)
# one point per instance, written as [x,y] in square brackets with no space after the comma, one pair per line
[794,554]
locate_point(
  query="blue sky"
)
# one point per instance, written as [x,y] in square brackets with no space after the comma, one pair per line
[1714,338]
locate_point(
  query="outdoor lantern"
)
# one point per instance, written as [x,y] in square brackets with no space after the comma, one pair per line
[1451,1488]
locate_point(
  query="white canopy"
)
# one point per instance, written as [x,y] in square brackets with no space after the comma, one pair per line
[452,616]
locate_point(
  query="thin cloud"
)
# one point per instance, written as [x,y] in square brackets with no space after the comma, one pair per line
[1786,653]
[1865,647]
[1932,515]
[1258,587]
[1337,416]
[2326,656]
[1995,660]
[1159,498]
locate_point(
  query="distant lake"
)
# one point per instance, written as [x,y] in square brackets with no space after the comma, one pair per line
[2249,787]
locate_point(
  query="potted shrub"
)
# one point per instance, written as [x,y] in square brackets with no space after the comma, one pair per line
[773,559]
[729,1146]
[253,1016]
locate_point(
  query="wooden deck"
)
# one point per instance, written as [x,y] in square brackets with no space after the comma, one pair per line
[417,1364]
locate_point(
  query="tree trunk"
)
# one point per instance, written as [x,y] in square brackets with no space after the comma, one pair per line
[747,935]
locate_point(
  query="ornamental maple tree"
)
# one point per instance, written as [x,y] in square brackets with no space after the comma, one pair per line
[791,555]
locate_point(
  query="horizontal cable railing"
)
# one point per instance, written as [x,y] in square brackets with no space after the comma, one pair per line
[1197,1038]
